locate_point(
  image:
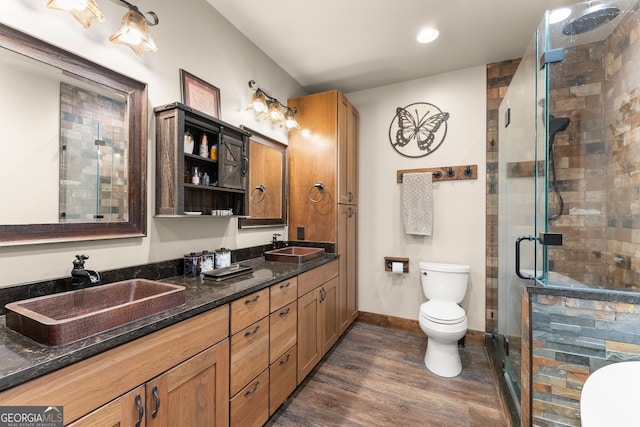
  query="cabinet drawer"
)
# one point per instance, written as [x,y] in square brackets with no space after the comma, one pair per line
[249,309]
[251,406]
[282,379]
[249,354]
[310,280]
[283,326]
[283,293]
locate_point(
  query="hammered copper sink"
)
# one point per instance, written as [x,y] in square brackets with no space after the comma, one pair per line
[69,316]
[294,254]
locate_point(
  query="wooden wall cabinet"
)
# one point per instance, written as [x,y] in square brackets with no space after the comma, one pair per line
[317,315]
[330,156]
[176,190]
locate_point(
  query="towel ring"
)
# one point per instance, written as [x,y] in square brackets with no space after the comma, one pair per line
[321,188]
[262,191]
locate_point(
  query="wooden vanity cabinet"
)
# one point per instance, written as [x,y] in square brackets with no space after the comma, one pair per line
[318,325]
[106,386]
[193,393]
[127,410]
[176,192]
[249,382]
[283,327]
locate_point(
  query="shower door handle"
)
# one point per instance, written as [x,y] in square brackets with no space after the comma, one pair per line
[518,241]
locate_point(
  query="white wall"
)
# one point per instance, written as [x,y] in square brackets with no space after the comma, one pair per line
[193,36]
[459,206]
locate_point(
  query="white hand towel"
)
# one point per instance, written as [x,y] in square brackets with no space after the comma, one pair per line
[417,203]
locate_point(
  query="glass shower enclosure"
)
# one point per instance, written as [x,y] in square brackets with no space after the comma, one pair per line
[569,164]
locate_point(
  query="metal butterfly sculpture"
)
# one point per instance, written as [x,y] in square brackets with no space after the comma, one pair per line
[419,129]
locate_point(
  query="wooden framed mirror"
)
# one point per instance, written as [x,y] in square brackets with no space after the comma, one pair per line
[55,189]
[267,182]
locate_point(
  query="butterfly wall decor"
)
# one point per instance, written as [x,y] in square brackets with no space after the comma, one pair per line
[418,129]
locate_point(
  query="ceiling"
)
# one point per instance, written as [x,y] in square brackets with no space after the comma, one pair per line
[353,45]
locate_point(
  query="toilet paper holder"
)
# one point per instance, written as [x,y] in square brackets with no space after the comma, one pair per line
[388,263]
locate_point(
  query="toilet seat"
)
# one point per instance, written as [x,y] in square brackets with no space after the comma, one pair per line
[443,312]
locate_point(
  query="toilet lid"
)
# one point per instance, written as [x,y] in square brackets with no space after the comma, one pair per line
[443,312]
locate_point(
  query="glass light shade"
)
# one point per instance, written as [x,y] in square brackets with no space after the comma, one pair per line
[290,121]
[275,113]
[85,11]
[258,102]
[134,33]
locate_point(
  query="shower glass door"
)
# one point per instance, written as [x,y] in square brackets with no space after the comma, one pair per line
[519,174]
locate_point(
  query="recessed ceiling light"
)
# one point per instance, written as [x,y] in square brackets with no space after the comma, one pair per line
[559,15]
[427,35]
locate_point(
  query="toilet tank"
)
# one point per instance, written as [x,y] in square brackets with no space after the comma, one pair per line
[444,282]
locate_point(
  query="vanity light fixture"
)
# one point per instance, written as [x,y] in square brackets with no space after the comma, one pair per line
[85,11]
[134,31]
[269,108]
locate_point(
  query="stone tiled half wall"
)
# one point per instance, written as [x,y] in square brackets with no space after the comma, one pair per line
[573,336]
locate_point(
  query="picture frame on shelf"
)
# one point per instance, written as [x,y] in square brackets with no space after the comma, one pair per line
[199,94]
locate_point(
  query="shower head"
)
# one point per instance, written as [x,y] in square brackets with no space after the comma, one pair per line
[591,18]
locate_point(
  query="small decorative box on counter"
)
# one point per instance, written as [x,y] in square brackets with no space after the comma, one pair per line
[223,258]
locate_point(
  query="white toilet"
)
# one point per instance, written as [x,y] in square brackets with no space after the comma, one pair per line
[441,318]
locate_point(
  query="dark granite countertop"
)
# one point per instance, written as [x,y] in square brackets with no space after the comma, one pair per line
[24,359]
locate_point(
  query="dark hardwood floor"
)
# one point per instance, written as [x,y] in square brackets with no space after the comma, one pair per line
[376,376]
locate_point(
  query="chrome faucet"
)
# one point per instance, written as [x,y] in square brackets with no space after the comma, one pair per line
[82,277]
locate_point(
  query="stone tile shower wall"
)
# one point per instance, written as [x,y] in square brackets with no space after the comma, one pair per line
[597,86]
[572,336]
[80,111]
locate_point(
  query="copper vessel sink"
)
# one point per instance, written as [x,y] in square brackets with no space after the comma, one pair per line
[69,316]
[294,254]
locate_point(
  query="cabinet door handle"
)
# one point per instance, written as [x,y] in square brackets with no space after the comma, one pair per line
[246,334]
[245,165]
[254,299]
[285,312]
[255,387]
[323,294]
[140,410]
[349,213]
[286,285]
[285,360]
[156,395]
[350,196]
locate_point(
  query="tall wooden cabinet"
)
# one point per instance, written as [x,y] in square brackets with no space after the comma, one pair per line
[323,189]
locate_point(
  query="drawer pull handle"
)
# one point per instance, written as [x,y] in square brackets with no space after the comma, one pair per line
[254,299]
[285,360]
[246,334]
[140,410]
[255,387]
[285,312]
[156,395]
[286,285]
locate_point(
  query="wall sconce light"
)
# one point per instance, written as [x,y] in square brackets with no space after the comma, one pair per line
[133,32]
[269,108]
[85,11]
